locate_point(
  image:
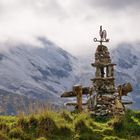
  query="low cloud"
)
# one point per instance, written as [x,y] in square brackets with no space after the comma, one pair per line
[114,4]
[72,24]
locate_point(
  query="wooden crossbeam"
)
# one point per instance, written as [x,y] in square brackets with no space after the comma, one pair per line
[85,91]
[127,102]
[74,104]
[68,94]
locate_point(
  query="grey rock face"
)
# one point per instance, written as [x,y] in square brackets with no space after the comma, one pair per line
[37,71]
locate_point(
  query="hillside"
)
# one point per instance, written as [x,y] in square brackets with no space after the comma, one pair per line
[39,71]
[44,71]
[70,126]
[12,103]
[127,59]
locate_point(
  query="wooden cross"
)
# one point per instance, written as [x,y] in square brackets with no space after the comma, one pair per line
[77,92]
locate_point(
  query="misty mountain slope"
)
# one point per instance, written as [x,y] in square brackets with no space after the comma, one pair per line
[127,58]
[39,72]
[44,71]
[12,103]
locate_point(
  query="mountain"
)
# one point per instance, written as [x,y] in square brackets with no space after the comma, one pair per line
[127,58]
[44,71]
[11,104]
[41,72]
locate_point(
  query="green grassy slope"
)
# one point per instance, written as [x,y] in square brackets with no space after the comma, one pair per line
[70,126]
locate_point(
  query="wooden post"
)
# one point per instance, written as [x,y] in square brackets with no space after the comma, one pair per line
[77,89]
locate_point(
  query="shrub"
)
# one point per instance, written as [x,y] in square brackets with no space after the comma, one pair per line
[16,133]
[101,119]
[80,126]
[4,127]
[33,122]
[66,116]
[3,136]
[94,135]
[137,115]
[23,123]
[85,132]
[47,126]
[108,131]
[118,126]
[64,130]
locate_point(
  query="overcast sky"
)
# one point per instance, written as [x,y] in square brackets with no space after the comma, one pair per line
[72,24]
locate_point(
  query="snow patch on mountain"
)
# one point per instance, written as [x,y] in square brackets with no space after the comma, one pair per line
[127,58]
[39,72]
[44,72]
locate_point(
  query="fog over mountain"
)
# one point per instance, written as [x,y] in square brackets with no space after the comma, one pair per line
[38,72]
[127,58]
[46,46]
[71,24]
[44,72]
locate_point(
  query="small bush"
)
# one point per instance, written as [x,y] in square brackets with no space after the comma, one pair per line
[94,135]
[65,130]
[47,126]
[108,131]
[3,136]
[118,124]
[93,124]
[86,133]
[137,115]
[133,129]
[16,133]
[23,123]
[66,116]
[101,119]
[4,127]
[80,126]
[33,122]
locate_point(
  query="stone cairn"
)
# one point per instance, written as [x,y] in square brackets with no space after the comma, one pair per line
[107,102]
[104,99]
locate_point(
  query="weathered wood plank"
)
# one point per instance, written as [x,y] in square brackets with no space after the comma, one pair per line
[85,91]
[74,104]
[127,102]
[68,94]
[78,91]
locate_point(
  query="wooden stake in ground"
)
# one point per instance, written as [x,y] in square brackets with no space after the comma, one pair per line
[77,89]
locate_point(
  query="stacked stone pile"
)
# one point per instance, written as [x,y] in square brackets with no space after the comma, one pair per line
[108,105]
[102,55]
[108,102]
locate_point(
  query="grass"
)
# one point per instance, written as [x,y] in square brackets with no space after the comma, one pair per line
[70,126]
